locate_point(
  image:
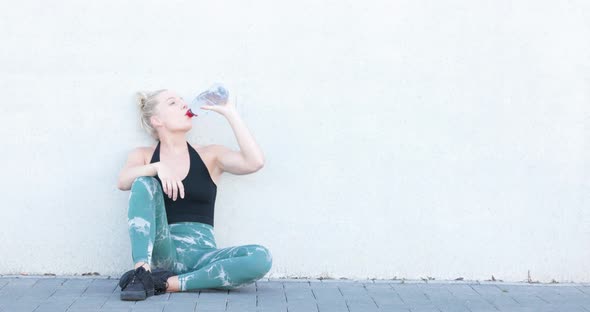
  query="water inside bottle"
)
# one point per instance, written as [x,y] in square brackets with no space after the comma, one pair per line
[216,94]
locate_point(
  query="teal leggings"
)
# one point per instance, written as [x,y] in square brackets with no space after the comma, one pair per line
[188,248]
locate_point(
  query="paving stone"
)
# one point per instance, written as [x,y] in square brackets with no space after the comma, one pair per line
[182,297]
[180,306]
[281,308]
[100,310]
[88,302]
[20,306]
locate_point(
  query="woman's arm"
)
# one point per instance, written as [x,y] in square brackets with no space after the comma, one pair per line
[249,158]
[135,167]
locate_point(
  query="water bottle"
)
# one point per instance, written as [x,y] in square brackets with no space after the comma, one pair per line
[217,94]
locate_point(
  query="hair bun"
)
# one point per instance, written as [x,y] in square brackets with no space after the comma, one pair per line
[147,103]
[141,99]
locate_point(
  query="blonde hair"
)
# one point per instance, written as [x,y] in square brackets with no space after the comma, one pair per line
[146,100]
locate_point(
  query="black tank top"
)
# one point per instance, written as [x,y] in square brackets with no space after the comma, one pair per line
[198,204]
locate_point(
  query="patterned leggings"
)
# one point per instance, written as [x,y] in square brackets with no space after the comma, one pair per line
[188,248]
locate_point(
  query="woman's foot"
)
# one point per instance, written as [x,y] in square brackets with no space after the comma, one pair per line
[144,265]
[161,280]
[136,284]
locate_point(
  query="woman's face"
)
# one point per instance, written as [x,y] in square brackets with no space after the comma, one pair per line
[172,112]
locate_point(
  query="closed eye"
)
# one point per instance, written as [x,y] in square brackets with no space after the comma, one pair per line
[175,102]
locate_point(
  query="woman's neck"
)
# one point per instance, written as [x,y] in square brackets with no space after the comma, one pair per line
[174,144]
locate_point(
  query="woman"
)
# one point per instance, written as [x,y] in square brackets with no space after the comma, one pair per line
[171,204]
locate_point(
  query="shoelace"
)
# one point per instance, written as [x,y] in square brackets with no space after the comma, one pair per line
[133,279]
[161,290]
[161,285]
[128,281]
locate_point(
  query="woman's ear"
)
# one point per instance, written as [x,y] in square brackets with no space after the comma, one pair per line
[156,122]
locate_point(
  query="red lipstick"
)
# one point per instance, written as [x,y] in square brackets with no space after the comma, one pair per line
[190,113]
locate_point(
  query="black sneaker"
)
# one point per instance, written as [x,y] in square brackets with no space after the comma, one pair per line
[125,278]
[136,284]
[160,277]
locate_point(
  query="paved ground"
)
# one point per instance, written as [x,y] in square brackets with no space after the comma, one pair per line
[94,293]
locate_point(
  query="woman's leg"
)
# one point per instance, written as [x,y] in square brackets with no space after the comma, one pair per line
[151,243]
[228,268]
[206,266]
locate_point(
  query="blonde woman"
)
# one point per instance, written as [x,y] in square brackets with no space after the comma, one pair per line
[172,202]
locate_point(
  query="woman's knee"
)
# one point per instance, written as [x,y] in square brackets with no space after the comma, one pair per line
[263,258]
[145,185]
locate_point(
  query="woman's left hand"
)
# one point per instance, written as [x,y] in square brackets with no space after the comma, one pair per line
[223,109]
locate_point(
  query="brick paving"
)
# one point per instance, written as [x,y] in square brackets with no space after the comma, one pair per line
[97,293]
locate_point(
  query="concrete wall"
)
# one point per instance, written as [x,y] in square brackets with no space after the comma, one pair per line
[407,139]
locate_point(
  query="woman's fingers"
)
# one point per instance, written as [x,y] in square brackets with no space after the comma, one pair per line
[174,189]
[164,188]
[181,189]
[178,189]
[169,188]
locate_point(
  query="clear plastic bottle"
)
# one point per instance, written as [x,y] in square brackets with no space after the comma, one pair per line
[217,94]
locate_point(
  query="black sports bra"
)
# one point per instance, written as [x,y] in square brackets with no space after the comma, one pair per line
[198,204]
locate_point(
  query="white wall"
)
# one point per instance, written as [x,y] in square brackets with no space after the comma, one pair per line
[406,139]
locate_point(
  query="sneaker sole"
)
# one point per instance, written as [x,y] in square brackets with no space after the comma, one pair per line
[135,295]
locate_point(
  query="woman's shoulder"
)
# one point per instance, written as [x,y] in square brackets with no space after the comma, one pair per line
[212,148]
[200,148]
[145,152]
[207,150]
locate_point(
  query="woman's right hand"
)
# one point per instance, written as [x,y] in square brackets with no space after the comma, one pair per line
[171,185]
